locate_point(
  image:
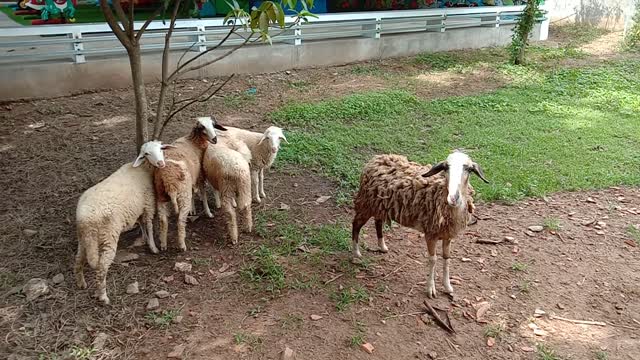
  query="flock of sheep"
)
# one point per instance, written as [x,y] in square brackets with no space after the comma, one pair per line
[435,200]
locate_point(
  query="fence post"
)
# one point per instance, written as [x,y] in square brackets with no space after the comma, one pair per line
[78,48]
[436,24]
[202,39]
[297,32]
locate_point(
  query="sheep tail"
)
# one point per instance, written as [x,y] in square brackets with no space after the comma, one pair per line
[89,239]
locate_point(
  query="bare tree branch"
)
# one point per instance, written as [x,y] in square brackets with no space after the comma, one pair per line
[115,27]
[131,20]
[122,17]
[165,70]
[146,24]
[193,101]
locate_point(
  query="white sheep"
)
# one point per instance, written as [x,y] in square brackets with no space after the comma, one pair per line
[112,206]
[264,149]
[395,189]
[229,174]
[181,176]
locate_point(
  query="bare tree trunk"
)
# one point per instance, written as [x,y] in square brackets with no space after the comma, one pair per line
[142,108]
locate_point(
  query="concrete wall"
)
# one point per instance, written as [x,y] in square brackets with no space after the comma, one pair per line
[609,14]
[61,79]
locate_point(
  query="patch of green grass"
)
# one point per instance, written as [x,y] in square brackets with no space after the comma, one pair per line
[292,322]
[239,100]
[461,61]
[265,269]
[201,261]
[579,34]
[366,69]
[82,352]
[359,337]
[517,266]
[494,331]
[162,319]
[573,126]
[601,355]
[551,223]
[634,233]
[330,238]
[8,279]
[546,54]
[245,338]
[347,297]
[525,286]
[298,84]
[313,282]
[544,352]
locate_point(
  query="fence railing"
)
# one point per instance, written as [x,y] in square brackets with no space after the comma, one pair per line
[80,43]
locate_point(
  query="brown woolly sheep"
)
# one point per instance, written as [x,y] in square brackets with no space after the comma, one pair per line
[395,189]
[182,176]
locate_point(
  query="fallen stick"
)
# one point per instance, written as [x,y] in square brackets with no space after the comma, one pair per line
[439,321]
[583,322]
[401,315]
[625,327]
[560,236]
[453,346]
[485,241]
[333,279]
[396,270]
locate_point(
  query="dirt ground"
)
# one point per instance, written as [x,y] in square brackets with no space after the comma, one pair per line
[582,267]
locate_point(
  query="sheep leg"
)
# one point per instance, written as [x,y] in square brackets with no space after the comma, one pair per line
[148,221]
[216,198]
[381,245]
[261,178]
[182,220]
[163,211]
[431,279]
[106,258]
[254,186]
[232,222]
[205,203]
[81,258]
[445,267]
[358,223]
[248,218]
[193,211]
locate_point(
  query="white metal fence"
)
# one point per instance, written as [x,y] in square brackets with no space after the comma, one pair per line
[82,42]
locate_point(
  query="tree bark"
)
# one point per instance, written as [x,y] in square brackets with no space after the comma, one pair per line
[140,94]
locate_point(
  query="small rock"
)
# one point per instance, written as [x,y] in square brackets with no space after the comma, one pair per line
[510,348]
[466,259]
[288,72]
[536,228]
[538,313]
[162,294]
[509,238]
[188,279]
[284,206]
[529,233]
[491,342]
[494,252]
[322,199]
[167,278]
[515,250]
[38,125]
[512,296]
[619,306]
[602,224]
[433,355]
[29,232]
[58,279]
[368,348]
[591,200]
[224,268]
[100,340]
[177,352]
[539,332]
[153,304]
[600,232]
[35,288]
[177,319]
[288,354]
[384,322]
[425,319]
[315,317]
[133,288]
[182,267]
[125,256]
[527,349]
[560,306]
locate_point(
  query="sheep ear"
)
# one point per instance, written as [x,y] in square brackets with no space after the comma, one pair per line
[284,138]
[220,127]
[476,169]
[262,139]
[138,161]
[436,169]
[167,146]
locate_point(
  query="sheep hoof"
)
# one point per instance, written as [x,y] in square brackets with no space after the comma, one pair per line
[154,250]
[163,248]
[384,249]
[183,248]
[81,284]
[431,291]
[263,194]
[257,200]
[105,300]
[209,214]
[448,290]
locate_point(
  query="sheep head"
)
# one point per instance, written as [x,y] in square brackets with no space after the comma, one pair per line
[458,166]
[205,129]
[273,134]
[152,151]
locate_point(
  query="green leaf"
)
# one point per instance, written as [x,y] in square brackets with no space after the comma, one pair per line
[264,22]
[304,14]
[280,15]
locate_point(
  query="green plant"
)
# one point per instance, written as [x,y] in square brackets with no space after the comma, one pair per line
[82,353]
[551,224]
[437,61]
[544,352]
[522,30]
[517,266]
[292,322]
[525,287]
[356,340]
[162,319]
[359,337]
[264,268]
[244,338]
[366,69]
[346,297]
[494,331]
[634,233]
[201,261]
[632,37]
[602,355]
